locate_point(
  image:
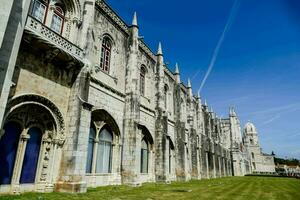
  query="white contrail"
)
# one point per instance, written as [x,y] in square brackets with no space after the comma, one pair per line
[232,15]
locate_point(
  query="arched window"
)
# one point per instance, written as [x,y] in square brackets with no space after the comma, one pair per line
[171,149]
[102,148]
[104,152]
[39,9]
[252,155]
[166,88]
[58,19]
[105,55]
[144,156]
[251,141]
[142,80]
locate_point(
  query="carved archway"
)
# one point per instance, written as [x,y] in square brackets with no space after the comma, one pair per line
[16,109]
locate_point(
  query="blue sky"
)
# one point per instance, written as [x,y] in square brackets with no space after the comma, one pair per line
[258,66]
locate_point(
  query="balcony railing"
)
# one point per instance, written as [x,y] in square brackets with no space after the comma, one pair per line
[53,38]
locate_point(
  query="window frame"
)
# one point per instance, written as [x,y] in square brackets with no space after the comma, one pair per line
[143,150]
[143,80]
[46,5]
[60,15]
[105,55]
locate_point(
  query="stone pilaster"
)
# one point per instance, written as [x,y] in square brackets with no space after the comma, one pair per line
[73,167]
[130,160]
[13,15]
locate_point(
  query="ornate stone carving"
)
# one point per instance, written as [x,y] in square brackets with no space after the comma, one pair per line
[47,104]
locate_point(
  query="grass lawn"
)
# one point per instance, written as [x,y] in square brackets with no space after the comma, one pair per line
[259,188]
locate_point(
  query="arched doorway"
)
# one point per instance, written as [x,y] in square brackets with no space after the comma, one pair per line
[31,137]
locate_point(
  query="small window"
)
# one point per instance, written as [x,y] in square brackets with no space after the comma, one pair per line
[57,20]
[105,55]
[39,9]
[144,156]
[142,80]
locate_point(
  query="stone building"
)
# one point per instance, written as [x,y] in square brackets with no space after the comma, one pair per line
[86,103]
[260,162]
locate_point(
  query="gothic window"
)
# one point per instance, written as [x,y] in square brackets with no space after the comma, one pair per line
[100,144]
[104,152]
[252,155]
[8,150]
[171,149]
[144,156]
[166,96]
[105,55]
[142,80]
[251,141]
[39,10]
[57,19]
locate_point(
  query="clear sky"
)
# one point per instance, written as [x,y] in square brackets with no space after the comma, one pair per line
[258,67]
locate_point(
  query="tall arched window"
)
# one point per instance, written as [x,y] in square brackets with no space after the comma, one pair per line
[58,19]
[99,157]
[166,88]
[105,55]
[104,152]
[39,9]
[142,80]
[171,149]
[144,156]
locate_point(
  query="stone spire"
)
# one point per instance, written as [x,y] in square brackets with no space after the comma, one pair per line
[134,20]
[159,50]
[189,83]
[160,77]
[232,112]
[177,74]
[205,103]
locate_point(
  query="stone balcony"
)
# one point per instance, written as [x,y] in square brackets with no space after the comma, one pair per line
[45,35]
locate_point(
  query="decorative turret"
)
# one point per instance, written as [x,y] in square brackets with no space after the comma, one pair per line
[177,74]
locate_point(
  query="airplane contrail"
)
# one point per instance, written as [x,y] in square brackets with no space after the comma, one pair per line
[232,15]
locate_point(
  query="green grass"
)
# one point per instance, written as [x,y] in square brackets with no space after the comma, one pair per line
[238,188]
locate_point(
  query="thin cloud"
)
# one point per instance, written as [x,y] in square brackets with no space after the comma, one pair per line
[280,109]
[272,119]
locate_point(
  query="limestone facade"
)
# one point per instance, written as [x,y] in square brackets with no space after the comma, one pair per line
[260,162]
[86,103]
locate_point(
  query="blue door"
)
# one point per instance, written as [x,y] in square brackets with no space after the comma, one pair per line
[31,156]
[8,150]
